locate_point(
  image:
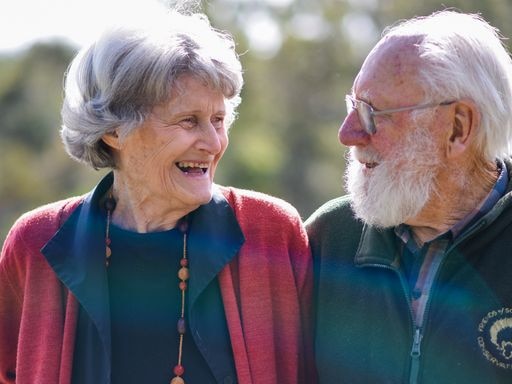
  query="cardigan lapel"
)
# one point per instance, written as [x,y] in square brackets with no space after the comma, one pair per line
[77,255]
[215,238]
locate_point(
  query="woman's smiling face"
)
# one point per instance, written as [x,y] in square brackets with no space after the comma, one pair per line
[174,153]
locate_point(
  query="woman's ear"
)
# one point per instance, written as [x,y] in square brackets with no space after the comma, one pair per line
[465,122]
[112,140]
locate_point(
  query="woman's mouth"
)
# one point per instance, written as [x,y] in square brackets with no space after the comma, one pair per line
[190,167]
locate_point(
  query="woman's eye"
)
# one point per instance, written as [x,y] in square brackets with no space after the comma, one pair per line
[218,122]
[189,121]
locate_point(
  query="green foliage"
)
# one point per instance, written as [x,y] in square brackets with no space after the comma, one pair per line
[34,168]
[285,139]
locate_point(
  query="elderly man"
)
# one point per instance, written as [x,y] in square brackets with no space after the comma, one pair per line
[414,266]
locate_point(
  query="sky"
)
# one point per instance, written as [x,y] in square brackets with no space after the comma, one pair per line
[77,22]
[22,22]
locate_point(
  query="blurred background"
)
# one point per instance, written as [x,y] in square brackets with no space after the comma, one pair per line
[299,58]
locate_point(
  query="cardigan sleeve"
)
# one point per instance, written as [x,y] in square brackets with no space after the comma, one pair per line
[32,300]
[11,303]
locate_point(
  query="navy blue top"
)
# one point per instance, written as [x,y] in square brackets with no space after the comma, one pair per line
[145,304]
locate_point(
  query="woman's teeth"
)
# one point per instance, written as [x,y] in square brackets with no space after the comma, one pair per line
[192,167]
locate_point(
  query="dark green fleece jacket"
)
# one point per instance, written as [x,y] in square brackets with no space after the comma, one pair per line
[364,328]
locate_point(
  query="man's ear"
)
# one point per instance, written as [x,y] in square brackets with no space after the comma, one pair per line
[112,140]
[465,122]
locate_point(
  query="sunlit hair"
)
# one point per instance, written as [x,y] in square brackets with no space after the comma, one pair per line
[464,57]
[117,80]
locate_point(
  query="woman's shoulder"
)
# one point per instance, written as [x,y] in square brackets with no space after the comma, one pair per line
[267,220]
[37,225]
[250,201]
[48,214]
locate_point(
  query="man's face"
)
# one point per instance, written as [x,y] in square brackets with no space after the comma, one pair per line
[392,174]
[401,183]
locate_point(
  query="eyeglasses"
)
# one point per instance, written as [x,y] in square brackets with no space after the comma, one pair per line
[366,113]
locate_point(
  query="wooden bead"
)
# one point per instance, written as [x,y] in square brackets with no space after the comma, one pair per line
[108,251]
[183,273]
[179,370]
[177,380]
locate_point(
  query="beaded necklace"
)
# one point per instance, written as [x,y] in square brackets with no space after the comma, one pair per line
[183,276]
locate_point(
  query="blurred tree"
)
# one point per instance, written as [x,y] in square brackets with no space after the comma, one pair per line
[34,168]
[29,100]
[292,104]
[300,58]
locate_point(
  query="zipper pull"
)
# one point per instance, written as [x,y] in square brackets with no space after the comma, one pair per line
[415,357]
[415,350]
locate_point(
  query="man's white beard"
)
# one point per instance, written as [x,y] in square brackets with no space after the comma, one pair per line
[398,187]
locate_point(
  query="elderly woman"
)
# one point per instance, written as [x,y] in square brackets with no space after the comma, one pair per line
[157,275]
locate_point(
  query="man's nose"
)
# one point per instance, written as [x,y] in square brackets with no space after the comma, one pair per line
[351,132]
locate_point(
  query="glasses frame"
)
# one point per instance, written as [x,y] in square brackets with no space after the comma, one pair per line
[366,112]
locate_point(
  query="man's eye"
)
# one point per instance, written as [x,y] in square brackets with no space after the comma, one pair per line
[383,118]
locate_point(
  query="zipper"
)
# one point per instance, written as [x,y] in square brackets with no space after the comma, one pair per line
[417,329]
[415,356]
[417,335]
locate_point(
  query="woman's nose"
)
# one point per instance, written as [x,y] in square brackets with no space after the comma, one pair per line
[211,138]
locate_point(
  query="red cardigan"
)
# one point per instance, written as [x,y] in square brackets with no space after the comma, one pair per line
[266,299]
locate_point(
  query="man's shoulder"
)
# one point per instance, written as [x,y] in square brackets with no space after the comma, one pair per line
[334,226]
[333,211]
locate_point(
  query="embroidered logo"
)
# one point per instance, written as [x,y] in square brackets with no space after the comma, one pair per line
[495,337]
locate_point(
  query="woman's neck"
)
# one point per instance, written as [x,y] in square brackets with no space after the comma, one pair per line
[138,210]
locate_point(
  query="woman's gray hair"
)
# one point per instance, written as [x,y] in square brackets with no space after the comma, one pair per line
[115,82]
[464,57]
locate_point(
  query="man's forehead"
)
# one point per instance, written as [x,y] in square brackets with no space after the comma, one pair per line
[396,54]
[392,65]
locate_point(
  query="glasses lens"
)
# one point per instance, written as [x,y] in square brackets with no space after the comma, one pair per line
[349,103]
[364,112]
